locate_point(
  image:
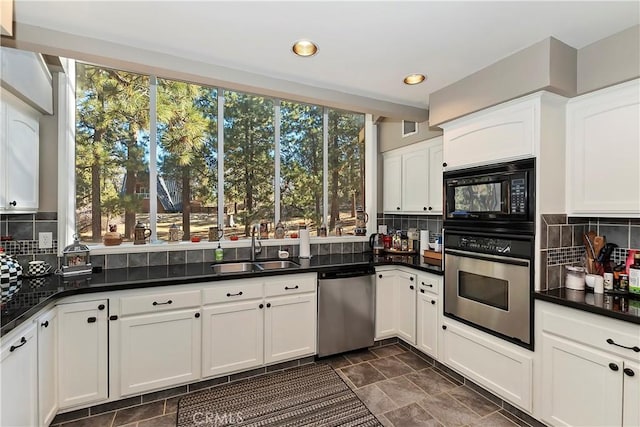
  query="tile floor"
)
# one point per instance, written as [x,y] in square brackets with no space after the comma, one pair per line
[398,386]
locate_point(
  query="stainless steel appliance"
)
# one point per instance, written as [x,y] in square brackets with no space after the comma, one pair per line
[487,283]
[345,310]
[499,196]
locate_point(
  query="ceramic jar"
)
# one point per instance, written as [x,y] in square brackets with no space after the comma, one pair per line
[10,270]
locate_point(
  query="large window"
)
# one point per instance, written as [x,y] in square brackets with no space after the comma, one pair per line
[273,161]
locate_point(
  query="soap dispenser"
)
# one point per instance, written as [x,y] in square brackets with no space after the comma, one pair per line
[219,253]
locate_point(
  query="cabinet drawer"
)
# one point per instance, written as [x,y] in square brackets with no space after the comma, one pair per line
[151,303]
[290,285]
[590,329]
[238,290]
[429,283]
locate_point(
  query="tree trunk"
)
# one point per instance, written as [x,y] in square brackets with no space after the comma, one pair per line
[96,170]
[186,204]
[130,187]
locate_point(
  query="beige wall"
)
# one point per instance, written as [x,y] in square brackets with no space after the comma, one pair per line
[612,60]
[390,134]
[548,64]
[49,156]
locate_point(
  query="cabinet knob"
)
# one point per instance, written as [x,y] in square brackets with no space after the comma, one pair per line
[411,279]
[268,304]
[411,287]
[397,208]
[425,208]
[45,324]
[444,327]
[628,371]
[101,307]
[13,203]
[197,315]
[261,306]
[433,301]
[114,317]
[379,276]
[422,291]
[444,165]
[613,366]
[430,208]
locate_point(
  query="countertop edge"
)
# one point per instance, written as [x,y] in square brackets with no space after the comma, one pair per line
[586,307]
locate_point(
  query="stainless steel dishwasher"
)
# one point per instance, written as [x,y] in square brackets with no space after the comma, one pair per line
[345,309]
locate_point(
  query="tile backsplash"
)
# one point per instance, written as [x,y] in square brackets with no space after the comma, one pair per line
[561,242]
[433,223]
[24,229]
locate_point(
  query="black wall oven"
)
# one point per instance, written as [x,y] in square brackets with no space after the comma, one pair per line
[489,230]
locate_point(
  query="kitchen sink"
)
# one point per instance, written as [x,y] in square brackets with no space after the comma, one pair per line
[235,267]
[276,265]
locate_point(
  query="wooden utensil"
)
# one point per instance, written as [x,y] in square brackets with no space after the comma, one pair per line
[588,244]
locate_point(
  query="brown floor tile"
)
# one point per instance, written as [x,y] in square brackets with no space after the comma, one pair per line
[162,421]
[411,415]
[171,405]
[102,420]
[448,411]
[384,421]
[413,360]
[401,391]
[362,374]
[391,367]
[388,350]
[346,380]
[494,420]
[517,421]
[375,399]
[360,356]
[336,362]
[142,412]
[473,400]
[431,381]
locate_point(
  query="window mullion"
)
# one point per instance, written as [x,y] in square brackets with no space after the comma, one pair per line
[325,165]
[276,178]
[153,145]
[221,157]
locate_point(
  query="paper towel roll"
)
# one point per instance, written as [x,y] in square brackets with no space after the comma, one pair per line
[424,240]
[305,249]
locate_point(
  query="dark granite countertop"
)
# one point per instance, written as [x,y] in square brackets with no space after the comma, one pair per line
[28,296]
[622,307]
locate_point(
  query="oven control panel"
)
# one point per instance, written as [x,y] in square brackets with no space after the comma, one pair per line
[511,246]
[485,244]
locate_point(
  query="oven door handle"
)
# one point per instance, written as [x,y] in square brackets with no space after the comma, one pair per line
[488,257]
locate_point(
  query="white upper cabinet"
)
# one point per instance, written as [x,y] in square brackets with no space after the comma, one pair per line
[19,146]
[603,152]
[413,178]
[512,130]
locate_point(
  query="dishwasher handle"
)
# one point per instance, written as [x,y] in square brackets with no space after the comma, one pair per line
[345,274]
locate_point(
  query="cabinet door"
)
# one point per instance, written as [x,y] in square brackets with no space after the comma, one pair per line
[159,350]
[427,323]
[232,337]
[22,158]
[415,180]
[435,177]
[385,304]
[290,327]
[19,378]
[603,131]
[47,326]
[631,394]
[581,386]
[406,307]
[82,353]
[392,183]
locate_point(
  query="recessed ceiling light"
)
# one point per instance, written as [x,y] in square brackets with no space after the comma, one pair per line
[414,79]
[304,48]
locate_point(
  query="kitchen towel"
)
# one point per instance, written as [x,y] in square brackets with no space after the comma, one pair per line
[305,247]
[424,240]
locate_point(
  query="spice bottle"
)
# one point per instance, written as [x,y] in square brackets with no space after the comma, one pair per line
[634,275]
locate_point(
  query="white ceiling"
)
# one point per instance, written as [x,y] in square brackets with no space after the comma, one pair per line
[366,47]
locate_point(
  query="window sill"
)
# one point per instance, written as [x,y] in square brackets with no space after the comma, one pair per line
[128,247]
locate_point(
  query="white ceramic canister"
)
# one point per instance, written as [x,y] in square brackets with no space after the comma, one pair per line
[574,278]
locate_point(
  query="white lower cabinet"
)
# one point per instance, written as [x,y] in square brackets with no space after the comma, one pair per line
[427,331]
[395,305]
[289,327]
[586,378]
[501,367]
[47,326]
[82,353]
[19,378]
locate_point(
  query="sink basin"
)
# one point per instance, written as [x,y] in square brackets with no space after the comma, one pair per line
[276,265]
[235,267]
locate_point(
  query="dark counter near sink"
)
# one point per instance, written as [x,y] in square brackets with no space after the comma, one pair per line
[35,294]
[622,307]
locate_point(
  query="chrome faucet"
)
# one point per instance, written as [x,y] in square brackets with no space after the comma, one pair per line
[254,250]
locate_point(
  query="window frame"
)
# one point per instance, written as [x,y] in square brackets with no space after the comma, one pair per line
[66,172]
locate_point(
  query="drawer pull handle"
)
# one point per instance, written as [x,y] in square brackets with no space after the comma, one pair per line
[45,324]
[422,291]
[23,341]
[234,295]
[114,317]
[13,203]
[634,348]
[162,303]
[286,288]
[427,284]
[91,320]
[613,366]
[629,372]
[101,307]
